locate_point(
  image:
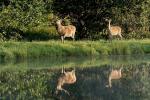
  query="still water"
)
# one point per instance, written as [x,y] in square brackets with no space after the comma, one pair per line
[37,78]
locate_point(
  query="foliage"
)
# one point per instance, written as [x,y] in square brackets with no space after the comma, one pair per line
[131,15]
[23,15]
[19,17]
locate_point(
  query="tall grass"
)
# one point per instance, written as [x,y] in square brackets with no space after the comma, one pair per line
[53,48]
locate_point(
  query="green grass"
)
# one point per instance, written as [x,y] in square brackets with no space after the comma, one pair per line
[20,50]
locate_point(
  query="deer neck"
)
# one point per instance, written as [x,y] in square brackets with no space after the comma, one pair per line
[60,28]
[109,26]
[59,25]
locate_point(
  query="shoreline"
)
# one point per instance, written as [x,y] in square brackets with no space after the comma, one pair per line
[23,50]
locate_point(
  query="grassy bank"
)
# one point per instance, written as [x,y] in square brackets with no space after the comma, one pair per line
[18,50]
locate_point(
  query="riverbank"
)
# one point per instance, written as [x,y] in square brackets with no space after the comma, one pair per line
[21,50]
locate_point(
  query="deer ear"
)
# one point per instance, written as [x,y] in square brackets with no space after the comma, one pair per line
[63,70]
[73,71]
[121,69]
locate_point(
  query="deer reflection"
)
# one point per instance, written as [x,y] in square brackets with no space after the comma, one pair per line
[65,78]
[114,75]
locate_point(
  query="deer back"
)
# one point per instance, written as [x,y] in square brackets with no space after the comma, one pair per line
[115,74]
[115,30]
[69,30]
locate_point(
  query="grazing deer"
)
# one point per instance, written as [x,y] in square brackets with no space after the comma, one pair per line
[114,30]
[65,78]
[114,75]
[66,31]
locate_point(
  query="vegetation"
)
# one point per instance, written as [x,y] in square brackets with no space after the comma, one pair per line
[36,19]
[20,50]
[22,21]
[41,83]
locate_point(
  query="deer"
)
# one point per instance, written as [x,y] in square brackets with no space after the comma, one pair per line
[65,78]
[114,75]
[114,30]
[65,31]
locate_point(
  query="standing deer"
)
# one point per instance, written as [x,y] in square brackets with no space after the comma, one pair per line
[114,75]
[114,30]
[65,78]
[65,31]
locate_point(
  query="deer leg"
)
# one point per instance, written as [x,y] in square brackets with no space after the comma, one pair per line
[65,91]
[59,88]
[120,36]
[110,85]
[56,92]
[73,38]
[110,38]
[62,39]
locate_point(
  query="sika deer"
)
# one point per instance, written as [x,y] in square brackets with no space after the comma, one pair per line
[114,30]
[66,31]
[65,78]
[114,75]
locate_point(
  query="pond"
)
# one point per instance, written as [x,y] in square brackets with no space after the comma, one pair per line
[37,78]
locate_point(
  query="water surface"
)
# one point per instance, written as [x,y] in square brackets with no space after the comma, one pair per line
[37,78]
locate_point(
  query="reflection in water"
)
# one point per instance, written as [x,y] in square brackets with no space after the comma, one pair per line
[134,84]
[114,75]
[74,62]
[90,84]
[40,83]
[68,77]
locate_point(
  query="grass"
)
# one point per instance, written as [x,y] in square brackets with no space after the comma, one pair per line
[21,50]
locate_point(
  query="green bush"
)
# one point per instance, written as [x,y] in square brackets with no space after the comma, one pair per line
[35,19]
[41,33]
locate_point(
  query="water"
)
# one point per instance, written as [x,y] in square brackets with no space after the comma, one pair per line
[37,78]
